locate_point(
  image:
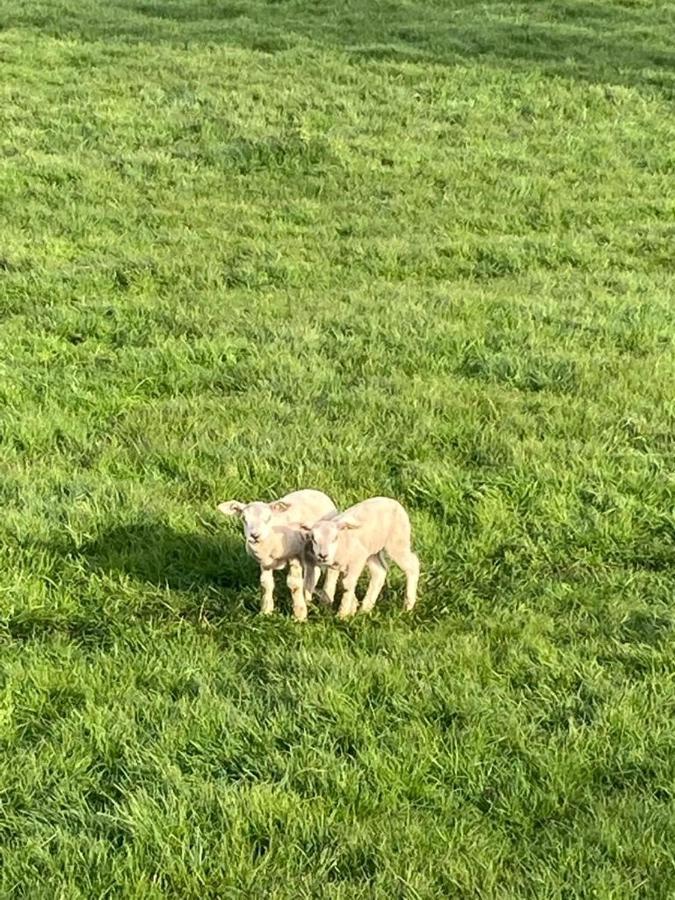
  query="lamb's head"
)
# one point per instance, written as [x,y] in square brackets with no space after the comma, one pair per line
[257,517]
[323,538]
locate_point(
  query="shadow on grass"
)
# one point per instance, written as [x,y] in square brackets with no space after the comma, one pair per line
[157,554]
[198,570]
[84,629]
[596,42]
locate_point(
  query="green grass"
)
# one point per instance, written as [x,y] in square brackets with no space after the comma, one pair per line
[423,250]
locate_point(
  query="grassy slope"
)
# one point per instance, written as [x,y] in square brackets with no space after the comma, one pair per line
[418,249]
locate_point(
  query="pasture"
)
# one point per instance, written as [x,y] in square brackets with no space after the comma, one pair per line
[404,248]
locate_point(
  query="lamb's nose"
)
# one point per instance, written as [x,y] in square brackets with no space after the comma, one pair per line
[254,537]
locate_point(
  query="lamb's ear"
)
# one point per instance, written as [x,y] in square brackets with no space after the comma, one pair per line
[305,531]
[348,522]
[279,506]
[231,508]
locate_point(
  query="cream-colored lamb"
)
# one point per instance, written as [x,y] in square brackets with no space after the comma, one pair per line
[274,540]
[358,537]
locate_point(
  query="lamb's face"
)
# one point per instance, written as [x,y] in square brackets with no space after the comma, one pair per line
[323,541]
[258,520]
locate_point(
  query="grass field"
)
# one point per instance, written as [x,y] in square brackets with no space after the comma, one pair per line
[419,249]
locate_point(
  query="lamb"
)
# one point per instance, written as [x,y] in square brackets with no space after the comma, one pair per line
[274,540]
[357,537]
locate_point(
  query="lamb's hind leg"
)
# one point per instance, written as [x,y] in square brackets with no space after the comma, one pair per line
[410,564]
[378,575]
[413,576]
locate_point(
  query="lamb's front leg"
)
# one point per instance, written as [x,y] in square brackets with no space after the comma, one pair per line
[296,587]
[378,575]
[349,603]
[311,576]
[329,586]
[267,591]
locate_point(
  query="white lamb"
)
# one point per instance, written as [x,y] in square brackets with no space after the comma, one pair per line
[274,540]
[357,537]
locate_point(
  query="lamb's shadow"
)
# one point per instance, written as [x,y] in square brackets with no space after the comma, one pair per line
[157,554]
[206,572]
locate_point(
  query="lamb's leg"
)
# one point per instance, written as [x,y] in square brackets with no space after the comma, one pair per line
[349,603]
[267,591]
[406,560]
[327,592]
[378,575]
[311,576]
[323,600]
[412,575]
[329,586]
[295,586]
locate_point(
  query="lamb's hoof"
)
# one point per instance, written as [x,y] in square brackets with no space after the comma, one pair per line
[346,613]
[324,599]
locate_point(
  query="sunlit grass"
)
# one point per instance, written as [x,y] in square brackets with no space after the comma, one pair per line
[376,248]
